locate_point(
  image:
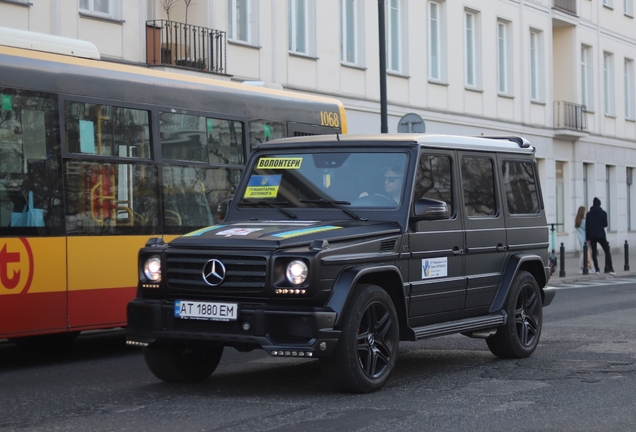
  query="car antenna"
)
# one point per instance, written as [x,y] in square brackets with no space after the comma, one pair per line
[337,136]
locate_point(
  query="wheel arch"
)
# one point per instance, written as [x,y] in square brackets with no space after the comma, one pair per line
[386,277]
[531,263]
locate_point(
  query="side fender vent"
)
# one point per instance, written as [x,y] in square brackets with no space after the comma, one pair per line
[387,246]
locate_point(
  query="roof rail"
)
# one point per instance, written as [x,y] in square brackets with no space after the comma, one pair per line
[523,143]
[47,43]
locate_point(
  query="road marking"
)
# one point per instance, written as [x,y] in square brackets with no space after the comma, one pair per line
[596,283]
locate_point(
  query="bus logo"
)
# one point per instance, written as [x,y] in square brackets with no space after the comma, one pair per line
[16,266]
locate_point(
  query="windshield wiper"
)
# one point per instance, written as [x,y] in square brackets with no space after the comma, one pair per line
[336,204]
[274,204]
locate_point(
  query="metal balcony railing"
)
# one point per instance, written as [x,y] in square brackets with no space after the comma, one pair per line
[569,116]
[568,6]
[171,43]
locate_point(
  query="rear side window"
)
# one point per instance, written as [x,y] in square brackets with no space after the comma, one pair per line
[478,183]
[520,187]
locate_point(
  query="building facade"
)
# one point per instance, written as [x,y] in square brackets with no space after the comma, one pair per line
[561,73]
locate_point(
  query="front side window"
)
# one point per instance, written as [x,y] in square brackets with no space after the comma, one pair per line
[520,188]
[201,139]
[105,130]
[241,20]
[322,180]
[434,180]
[31,200]
[478,184]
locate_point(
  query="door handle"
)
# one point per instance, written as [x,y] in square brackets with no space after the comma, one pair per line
[501,248]
[457,251]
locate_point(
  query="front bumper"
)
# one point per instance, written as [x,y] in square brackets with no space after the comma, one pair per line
[278,330]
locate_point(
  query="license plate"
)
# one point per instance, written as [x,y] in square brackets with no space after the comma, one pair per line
[205,310]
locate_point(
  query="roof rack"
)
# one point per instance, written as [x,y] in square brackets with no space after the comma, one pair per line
[523,143]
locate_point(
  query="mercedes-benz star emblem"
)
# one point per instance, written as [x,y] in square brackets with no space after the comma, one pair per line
[213,272]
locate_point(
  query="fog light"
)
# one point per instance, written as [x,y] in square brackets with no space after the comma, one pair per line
[246,326]
[323,346]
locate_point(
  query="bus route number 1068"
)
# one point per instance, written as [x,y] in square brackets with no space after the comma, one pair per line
[329,119]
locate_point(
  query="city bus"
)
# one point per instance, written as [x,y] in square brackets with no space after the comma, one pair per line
[96,157]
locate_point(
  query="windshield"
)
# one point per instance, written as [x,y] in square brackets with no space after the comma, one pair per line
[335,179]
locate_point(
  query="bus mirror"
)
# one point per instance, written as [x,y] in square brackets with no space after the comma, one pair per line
[221,209]
[430,209]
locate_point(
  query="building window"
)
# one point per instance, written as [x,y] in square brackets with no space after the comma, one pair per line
[536,66]
[352,25]
[395,35]
[241,21]
[630,199]
[610,173]
[436,41]
[560,196]
[628,7]
[300,26]
[587,89]
[504,58]
[608,3]
[629,90]
[471,49]
[608,83]
[586,183]
[101,8]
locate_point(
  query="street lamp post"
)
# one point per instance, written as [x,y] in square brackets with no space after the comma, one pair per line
[384,128]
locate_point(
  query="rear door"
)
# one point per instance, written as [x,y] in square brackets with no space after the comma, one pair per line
[485,228]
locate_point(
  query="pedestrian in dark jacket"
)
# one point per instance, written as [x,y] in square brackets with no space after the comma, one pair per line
[595,224]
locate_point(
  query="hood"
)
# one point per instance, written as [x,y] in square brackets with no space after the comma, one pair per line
[276,234]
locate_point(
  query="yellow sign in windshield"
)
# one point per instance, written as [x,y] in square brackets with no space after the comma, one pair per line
[279,163]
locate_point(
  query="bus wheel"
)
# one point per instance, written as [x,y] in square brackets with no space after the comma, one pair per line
[182,362]
[367,350]
[519,337]
[48,341]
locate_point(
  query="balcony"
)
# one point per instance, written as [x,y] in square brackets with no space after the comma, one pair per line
[567,6]
[570,120]
[175,44]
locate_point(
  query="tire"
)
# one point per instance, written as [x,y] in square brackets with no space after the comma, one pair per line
[519,337]
[367,349]
[180,362]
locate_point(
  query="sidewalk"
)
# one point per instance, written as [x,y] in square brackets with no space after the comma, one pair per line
[571,267]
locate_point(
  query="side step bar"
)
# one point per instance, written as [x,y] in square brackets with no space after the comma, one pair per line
[460,326]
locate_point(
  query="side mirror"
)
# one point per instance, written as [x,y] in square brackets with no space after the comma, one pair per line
[430,209]
[221,209]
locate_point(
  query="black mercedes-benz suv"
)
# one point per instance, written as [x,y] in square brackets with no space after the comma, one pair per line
[338,247]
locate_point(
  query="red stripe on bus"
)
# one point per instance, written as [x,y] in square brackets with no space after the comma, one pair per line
[95,308]
[32,313]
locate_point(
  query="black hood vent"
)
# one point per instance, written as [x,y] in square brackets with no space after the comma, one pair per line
[387,246]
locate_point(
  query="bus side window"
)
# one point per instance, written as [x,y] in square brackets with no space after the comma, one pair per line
[30,167]
[263,130]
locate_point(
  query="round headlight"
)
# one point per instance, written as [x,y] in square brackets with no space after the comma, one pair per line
[296,272]
[152,268]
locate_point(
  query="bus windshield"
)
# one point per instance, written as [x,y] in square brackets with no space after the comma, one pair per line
[309,180]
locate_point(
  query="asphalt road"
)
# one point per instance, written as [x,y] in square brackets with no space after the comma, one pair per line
[581,378]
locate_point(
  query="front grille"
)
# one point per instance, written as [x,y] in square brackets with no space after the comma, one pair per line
[243,273]
[284,329]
